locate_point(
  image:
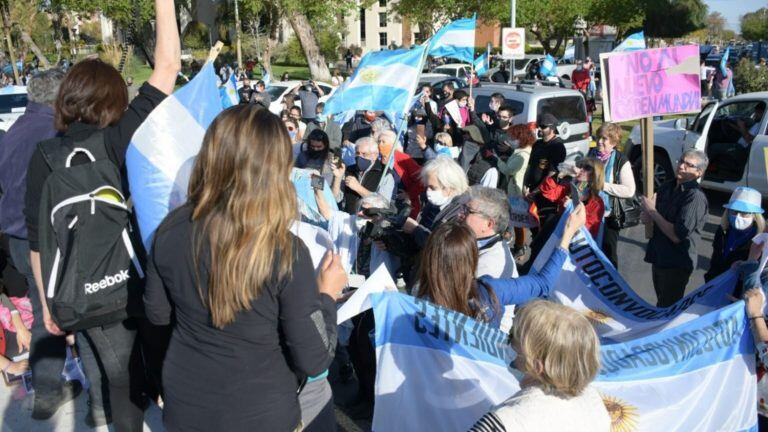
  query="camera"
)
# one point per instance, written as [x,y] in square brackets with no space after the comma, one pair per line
[384,226]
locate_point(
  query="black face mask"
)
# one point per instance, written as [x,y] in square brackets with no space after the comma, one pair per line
[503,123]
[315,154]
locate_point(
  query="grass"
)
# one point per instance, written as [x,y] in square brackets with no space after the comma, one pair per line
[294,72]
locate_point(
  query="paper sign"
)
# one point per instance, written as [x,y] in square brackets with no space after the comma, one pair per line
[653,82]
[513,43]
[360,301]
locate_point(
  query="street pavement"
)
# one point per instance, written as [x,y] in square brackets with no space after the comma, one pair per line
[16,406]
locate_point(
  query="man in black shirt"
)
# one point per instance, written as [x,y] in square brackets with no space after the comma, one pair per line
[245,92]
[678,212]
[547,153]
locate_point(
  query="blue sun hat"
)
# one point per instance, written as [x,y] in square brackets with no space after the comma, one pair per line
[745,200]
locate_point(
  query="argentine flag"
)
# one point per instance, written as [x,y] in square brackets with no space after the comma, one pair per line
[267,79]
[383,81]
[724,62]
[590,284]
[163,149]
[633,42]
[440,370]
[548,66]
[228,93]
[481,65]
[455,40]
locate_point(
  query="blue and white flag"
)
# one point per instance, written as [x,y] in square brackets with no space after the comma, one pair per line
[590,284]
[305,194]
[481,65]
[633,42]
[548,66]
[383,81]
[455,40]
[570,53]
[163,149]
[441,370]
[724,62]
[267,79]
[228,93]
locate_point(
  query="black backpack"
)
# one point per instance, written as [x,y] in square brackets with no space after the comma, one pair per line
[85,235]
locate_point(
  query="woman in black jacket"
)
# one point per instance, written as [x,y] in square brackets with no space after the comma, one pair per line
[249,325]
[741,221]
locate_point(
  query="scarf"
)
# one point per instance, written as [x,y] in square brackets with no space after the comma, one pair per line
[736,238]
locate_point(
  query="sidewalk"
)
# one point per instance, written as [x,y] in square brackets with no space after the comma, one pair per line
[16,414]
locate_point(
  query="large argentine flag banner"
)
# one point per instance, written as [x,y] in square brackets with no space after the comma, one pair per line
[633,42]
[163,149]
[440,370]
[590,284]
[383,81]
[455,40]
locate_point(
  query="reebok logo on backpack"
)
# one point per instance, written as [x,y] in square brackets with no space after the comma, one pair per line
[86,250]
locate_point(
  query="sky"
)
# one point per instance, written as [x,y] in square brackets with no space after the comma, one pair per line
[733,9]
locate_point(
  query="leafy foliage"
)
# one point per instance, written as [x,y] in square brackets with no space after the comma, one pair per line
[747,78]
[754,25]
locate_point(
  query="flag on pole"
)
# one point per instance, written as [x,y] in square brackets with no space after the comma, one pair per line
[383,81]
[481,64]
[267,79]
[548,66]
[455,40]
[228,93]
[633,42]
[724,62]
[163,149]
[440,370]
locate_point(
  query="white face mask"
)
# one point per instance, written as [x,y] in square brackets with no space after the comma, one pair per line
[742,223]
[437,197]
[462,104]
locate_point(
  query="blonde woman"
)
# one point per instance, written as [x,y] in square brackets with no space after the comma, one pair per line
[249,324]
[559,354]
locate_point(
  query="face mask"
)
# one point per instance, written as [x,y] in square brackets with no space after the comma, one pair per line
[315,154]
[362,163]
[437,198]
[321,118]
[503,123]
[740,222]
[462,104]
[579,67]
[292,134]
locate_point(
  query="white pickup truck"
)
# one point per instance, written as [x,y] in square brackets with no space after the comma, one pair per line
[733,161]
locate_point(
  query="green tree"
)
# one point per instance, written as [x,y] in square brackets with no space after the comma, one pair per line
[625,15]
[551,21]
[754,25]
[747,78]
[673,18]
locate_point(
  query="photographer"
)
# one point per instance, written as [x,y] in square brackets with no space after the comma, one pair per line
[309,94]
[364,177]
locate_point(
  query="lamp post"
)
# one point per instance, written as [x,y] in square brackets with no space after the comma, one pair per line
[579,26]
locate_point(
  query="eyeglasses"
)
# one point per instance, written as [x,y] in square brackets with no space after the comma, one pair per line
[687,164]
[467,210]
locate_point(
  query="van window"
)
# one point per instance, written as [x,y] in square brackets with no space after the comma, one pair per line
[569,109]
[482,104]
[13,103]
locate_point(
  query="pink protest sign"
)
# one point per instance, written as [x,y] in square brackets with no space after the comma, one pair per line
[654,82]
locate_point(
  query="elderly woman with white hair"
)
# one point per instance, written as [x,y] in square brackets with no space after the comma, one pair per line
[446,185]
[368,175]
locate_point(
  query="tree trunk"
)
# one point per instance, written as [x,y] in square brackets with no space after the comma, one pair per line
[35,49]
[407,33]
[318,69]
[558,42]
[544,41]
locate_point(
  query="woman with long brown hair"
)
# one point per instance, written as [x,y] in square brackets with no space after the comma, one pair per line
[92,110]
[250,324]
[449,262]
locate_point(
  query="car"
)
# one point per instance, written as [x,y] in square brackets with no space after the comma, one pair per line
[530,101]
[712,131]
[13,103]
[458,70]
[278,89]
[438,80]
[521,66]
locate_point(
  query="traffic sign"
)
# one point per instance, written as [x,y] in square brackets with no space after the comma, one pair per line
[513,43]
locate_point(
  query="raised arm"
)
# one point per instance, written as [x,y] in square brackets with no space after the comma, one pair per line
[167,49]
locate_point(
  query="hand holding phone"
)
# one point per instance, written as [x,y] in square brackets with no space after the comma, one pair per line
[317,182]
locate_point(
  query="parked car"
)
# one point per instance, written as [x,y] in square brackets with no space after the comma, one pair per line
[279,89]
[530,101]
[13,103]
[458,70]
[437,80]
[713,131]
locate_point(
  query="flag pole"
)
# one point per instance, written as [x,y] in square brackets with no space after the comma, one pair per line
[471,81]
[214,52]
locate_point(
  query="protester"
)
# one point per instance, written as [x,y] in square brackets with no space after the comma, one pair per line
[348,59]
[444,146]
[245,92]
[358,127]
[741,221]
[513,167]
[285,77]
[478,158]
[722,81]
[546,155]
[14,331]
[366,176]
[419,133]
[580,78]
[258,290]
[295,113]
[487,214]
[455,112]
[48,351]
[93,99]
[294,133]
[754,305]
[336,79]
[559,353]
[619,185]
[309,94]
[501,75]
[326,124]
[407,170]
[678,212]
[446,184]
[453,246]
[317,155]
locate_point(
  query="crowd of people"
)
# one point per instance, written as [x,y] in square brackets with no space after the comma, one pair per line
[228,320]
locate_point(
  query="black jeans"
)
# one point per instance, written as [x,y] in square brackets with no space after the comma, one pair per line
[47,352]
[115,357]
[611,245]
[669,284]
